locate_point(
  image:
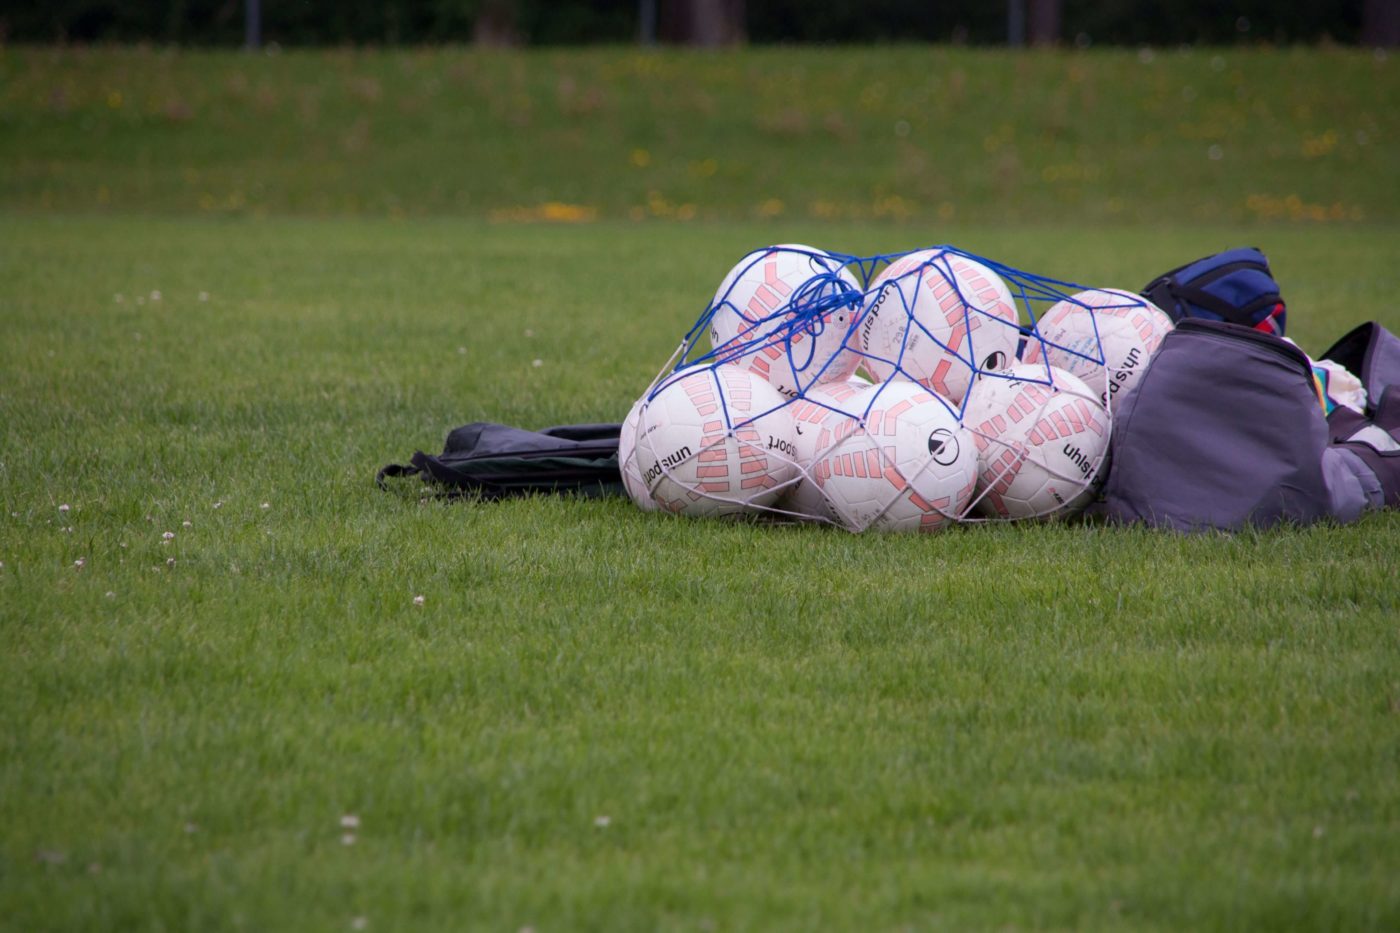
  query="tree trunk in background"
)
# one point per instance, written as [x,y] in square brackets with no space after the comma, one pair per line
[495,24]
[1044,21]
[705,23]
[1380,23]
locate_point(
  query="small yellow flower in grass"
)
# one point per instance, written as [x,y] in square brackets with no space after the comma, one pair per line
[417,600]
[641,158]
[350,821]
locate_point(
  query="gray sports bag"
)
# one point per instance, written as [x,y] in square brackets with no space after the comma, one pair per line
[1224,430]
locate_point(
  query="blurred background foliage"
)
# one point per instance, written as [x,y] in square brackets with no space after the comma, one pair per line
[570,22]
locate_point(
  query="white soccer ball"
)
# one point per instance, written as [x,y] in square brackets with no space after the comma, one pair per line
[905,465]
[942,318]
[822,408]
[1042,442]
[717,441]
[759,324]
[627,460]
[1110,359]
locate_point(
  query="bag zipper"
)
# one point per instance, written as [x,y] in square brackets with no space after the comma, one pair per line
[1237,331]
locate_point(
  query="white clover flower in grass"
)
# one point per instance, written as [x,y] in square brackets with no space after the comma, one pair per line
[170,562]
[64,507]
[350,821]
[265,505]
[359,923]
[155,294]
[80,563]
[602,822]
[186,525]
[219,504]
[537,363]
[203,296]
[418,600]
[347,839]
[168,536]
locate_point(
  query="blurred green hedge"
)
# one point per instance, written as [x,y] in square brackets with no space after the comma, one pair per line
[558,22]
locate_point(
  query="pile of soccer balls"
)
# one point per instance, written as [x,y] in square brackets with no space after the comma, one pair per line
[900,401]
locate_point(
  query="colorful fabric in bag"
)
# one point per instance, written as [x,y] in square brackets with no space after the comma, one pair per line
[1235,286]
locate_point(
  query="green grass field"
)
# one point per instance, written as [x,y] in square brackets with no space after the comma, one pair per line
[599,718]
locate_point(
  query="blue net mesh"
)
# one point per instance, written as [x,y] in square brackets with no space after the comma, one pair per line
[892,361]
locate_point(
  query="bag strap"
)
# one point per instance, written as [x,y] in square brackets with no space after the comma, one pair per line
[1243,316]
[394,470]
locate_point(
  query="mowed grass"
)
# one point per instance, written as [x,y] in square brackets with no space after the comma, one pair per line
[599,718]
[605,719]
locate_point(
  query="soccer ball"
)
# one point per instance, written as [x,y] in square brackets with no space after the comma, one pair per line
[904,465]
[717,441]
[1129,330]
[627,460]
[822,408]
[942,318]
[1042,442]
[774,316]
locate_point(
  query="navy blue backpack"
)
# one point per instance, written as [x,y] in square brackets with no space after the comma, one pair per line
[1235,286]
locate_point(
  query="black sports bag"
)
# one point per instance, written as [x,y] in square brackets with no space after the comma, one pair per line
[493,461]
